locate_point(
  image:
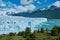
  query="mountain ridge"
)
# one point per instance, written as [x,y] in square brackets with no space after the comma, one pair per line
[51,13]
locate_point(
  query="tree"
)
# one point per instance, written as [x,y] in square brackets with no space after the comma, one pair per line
[27,31]
[38,30]
[31,37]
[58,38]
[42,30]
[47,30]
[55,31]
[21,34]
[12,34]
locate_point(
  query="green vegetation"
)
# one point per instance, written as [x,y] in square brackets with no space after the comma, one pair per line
[27,32]
[42,30]
[12,34]
[42,34]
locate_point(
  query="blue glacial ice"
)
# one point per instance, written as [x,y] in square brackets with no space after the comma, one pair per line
[16,24]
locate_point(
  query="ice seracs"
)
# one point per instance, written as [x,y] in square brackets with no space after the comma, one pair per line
[16,24]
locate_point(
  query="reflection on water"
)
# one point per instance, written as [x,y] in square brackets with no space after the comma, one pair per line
[16,24]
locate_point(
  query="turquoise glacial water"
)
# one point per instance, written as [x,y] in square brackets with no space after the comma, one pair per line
[49,24]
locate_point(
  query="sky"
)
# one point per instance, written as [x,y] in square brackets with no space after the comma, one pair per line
[17,6]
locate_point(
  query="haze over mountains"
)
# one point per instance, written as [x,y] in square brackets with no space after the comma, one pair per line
[52,12]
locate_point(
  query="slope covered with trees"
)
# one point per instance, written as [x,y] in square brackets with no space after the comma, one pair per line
[51,13]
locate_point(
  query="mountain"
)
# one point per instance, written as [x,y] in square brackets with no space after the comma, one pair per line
[51,13]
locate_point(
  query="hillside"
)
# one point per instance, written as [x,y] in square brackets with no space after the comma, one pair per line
[52,13]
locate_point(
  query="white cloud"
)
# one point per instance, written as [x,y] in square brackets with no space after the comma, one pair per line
[10,10]
[43,9]
[17,9]
[35,0]
[13,8]
[26,1]
[2,3]
[2,13]
[30,7]
[38,2]
[5,10]
[57,4]
[21,8]
[26,8]
[45,0]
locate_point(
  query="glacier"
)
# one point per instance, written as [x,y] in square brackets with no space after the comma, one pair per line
[15,24]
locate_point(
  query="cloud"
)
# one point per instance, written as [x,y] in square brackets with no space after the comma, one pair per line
[13,8]
[17,9]
[2,13]
[26,1]
[43,9]
[30,7]
[26,8]
[35,0]
[2,3]
[46,0]
[38,2]
[57,3]
[21,8]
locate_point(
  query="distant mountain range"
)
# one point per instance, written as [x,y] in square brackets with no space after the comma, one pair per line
[52,12]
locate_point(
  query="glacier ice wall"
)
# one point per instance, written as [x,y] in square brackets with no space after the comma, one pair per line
[16,24]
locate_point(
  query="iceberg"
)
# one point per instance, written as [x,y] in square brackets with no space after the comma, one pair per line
[15,24]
